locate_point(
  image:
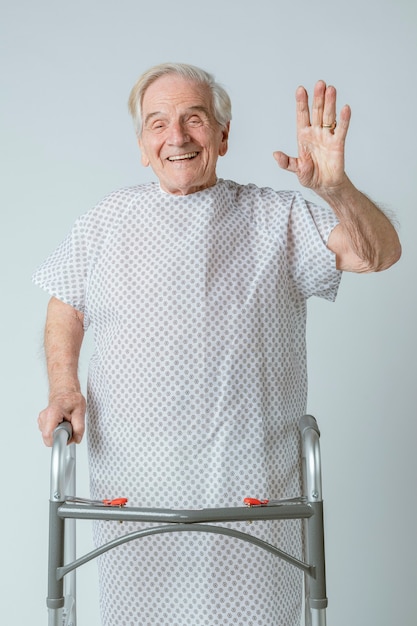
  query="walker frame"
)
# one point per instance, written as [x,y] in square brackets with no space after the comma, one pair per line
[62,561]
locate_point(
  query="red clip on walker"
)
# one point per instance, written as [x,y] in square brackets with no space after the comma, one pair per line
[255,502]
[114,502]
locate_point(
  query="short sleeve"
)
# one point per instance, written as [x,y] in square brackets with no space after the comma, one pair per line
[64,273]
[312,265]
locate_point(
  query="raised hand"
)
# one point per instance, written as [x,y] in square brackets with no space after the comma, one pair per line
[320,164]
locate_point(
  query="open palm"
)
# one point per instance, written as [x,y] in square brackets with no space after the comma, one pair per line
[320,164]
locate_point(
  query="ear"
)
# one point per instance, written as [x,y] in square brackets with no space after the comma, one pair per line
[144,156]
[224,142]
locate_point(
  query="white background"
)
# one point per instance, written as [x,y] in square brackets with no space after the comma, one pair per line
[67,140]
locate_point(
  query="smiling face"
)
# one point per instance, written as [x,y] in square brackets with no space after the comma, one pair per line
[181,139]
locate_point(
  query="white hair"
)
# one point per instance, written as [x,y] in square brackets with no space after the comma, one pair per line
[222,108]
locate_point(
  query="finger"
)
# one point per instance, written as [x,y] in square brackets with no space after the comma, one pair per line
[303,113]
[329,108]
[344,121]
[78,425]
[318,103]
[47,422]
[285,162]
[48,436]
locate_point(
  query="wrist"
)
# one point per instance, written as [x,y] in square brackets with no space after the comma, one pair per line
[339,193]
[63,392]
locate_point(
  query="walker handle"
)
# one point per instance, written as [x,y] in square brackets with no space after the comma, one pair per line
[315,596]
[306,422]
[62,461]
[310,449]
[64,426]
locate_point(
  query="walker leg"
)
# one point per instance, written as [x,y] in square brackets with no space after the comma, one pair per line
[318,617]
[55,598]
[54,617]
[315,585]
[70,581]
[61,594]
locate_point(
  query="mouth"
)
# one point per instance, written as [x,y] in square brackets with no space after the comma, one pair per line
[183,157]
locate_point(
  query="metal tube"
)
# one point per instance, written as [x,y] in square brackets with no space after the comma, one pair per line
[58,462]
[315,556]
[55,599]
[172,516]
[318,617]
[70,581]
[54,617]
[204,528]
[315,585]
[311,458]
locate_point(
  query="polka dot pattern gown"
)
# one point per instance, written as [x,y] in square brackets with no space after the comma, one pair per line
[197,304]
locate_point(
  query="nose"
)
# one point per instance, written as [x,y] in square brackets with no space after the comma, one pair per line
[177,135]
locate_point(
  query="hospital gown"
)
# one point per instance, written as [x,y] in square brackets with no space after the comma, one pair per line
[198,305]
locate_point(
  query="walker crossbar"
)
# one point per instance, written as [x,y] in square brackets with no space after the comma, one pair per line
[192,516]
[204,528]
[62,566]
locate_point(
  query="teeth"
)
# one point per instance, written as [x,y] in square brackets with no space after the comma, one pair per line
[182,157]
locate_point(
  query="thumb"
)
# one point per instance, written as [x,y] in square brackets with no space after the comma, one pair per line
[284,161]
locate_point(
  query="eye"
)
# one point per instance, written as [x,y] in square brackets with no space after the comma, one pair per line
[157,126]
[194,120]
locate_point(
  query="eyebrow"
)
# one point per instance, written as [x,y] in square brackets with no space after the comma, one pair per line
[196,107]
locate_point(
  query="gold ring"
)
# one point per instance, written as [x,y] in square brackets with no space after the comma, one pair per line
[330,126]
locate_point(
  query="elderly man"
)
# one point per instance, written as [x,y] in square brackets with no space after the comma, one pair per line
[196,292]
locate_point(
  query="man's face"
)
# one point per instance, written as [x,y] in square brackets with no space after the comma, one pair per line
[181,139]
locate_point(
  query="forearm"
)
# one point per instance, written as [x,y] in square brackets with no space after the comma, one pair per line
[63,339]
[365,240]
[64,334]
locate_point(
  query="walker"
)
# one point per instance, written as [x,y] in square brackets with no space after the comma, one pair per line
[66,508]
